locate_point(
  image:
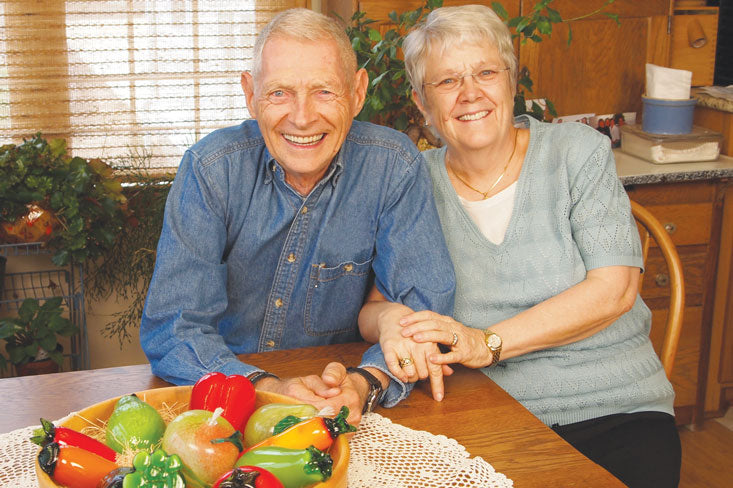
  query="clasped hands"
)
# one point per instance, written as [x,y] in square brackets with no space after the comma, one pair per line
[333,389]
[410,344]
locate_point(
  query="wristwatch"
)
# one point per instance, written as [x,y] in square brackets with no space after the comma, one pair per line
[374,396]
[493,342]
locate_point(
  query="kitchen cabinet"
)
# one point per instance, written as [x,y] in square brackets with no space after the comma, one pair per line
[697,216]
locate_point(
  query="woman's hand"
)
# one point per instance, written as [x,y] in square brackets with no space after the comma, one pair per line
[397,348]
[467,345]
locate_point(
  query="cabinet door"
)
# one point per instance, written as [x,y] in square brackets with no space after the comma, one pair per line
[602,70]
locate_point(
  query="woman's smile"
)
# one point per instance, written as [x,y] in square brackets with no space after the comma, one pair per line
[473,116]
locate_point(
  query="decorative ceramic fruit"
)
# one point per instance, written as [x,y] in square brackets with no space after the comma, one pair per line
[134,424]
[207,444]
[176,399]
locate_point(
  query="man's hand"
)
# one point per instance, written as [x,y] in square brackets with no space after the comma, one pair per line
[333,389]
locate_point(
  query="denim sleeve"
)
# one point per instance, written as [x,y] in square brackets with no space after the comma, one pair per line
[397,390]
[187,293]
[412,263]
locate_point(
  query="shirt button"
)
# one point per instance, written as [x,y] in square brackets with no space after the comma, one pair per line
[291,258]
[348,267]
[279,303]
[273,167]
[304,210]
[270,343]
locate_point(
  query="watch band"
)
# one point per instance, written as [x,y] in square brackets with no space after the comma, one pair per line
[260,375]
[375,389]
[495,350]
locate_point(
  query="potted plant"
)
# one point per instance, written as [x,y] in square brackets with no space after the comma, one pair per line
[74,205]
[32,337]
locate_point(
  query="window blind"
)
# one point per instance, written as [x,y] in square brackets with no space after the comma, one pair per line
[128,81]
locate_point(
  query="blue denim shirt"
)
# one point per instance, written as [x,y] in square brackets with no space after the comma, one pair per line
[245,264]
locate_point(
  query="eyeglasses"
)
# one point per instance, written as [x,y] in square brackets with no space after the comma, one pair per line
[483,77]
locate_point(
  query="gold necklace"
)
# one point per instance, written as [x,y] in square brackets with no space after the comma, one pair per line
[485,194]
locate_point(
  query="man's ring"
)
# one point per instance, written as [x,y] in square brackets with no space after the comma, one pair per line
[455,340]
[405,362]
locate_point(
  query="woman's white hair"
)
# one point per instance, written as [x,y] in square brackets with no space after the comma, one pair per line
[447,27]
[305,24]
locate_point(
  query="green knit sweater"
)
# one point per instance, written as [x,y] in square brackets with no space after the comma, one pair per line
[571,214]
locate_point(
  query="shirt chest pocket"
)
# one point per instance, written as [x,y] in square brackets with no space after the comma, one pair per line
[335,296]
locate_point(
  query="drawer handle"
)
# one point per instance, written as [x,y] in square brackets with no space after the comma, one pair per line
[670,227]
[661,279]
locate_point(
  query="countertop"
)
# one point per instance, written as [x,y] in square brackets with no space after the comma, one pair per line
[635,171]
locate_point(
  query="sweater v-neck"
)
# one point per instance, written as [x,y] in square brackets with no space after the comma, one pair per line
[523,122]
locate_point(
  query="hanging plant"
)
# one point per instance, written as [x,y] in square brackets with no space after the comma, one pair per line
[74,205]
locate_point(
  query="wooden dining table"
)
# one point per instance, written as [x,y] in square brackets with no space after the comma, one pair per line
[475,412]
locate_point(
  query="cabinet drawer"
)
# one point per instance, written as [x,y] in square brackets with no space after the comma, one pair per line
[687,224]
[656,275]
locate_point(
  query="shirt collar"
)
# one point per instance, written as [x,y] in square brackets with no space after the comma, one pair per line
[273,168]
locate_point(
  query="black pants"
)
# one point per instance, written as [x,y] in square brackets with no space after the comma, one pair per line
[641,449]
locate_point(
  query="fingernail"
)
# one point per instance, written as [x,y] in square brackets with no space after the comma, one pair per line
[403,321]
[439,397]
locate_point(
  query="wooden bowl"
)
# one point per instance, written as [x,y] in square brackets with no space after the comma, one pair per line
[177,397]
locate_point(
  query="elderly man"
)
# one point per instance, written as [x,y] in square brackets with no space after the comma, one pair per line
[276,229]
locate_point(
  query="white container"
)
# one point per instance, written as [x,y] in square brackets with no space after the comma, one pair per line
[699,145]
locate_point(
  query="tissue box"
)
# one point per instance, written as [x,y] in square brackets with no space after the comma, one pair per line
[699,145]
[661,116]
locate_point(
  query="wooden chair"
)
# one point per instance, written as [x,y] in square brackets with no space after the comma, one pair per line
[652,229]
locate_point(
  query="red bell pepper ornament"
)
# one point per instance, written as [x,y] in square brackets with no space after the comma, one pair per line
[248,477]
[235,394]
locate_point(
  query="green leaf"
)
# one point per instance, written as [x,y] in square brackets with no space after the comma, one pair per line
[378,79]
[48,343]
[570,34]
[544,26]
[393,17]
[374,35]
[612,16]
[554,15]
[28,309]
[52,303]
[56,356]
[500,10]
[523,23]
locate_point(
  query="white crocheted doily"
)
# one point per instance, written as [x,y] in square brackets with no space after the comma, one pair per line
[383,454]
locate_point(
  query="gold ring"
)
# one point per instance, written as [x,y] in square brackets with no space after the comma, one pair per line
[455,340]
[405,362]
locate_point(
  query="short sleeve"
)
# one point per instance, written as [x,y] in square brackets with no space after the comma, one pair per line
[600,215]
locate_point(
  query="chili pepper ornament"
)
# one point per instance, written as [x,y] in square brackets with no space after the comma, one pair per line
[248,477]
[73,466]
[156,470]
[262,422]
[295,468]
[316,431]
[234,393]
[64,436]
[134,424]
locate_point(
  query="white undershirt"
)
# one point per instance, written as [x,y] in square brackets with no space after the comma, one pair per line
[492,215]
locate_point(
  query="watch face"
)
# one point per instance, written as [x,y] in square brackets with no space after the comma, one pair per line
[494,341]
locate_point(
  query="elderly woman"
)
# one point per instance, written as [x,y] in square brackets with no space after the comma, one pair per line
[547,259]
